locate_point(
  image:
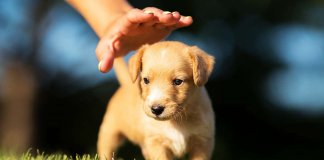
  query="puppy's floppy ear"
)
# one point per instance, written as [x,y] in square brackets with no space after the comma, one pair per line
[135,63]
[202,65]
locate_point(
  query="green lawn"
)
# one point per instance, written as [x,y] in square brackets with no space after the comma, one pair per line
[42,156]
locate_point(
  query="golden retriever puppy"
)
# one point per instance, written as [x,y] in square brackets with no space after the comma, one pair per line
[162,104]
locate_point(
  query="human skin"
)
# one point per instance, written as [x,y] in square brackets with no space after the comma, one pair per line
[123,28]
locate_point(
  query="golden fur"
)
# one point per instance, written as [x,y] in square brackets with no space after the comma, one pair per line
[186,125]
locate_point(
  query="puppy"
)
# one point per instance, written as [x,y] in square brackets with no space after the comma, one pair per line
[162,104]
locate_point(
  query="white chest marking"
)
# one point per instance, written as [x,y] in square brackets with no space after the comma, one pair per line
[178,140]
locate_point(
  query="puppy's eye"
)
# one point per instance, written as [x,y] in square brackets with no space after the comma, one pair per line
[146,81]
[177,82]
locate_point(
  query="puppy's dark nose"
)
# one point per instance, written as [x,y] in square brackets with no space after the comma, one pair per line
[157,110]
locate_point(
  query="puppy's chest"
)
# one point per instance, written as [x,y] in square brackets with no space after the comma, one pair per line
[176,139]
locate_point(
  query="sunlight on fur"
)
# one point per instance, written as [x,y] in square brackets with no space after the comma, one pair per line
[162,104]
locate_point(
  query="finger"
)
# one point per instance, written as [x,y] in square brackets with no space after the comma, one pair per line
[134,19]
[136,16]
[167,19]
[149,23]
[106,63]
[184,21]
[100,50]
[153,10]
[105,55]
[170,19]
[162,17]
[176,15]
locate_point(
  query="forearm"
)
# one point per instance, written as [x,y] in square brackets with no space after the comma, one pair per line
[100,14]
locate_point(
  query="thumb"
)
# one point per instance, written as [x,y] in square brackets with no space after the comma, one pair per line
[105,54]
[106,63]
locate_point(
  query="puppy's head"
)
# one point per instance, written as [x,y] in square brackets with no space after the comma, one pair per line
[169,73]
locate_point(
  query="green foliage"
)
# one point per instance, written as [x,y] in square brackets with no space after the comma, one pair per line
[42,156]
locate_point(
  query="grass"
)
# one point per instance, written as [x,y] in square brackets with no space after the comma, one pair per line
[42,156]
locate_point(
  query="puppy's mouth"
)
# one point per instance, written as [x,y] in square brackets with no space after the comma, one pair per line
[173,112]
[159,118]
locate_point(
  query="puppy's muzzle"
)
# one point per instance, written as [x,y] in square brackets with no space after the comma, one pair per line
[157,110]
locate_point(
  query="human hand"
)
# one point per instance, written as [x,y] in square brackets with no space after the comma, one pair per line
[135,28]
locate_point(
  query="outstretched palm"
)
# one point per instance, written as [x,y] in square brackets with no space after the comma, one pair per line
[134,29]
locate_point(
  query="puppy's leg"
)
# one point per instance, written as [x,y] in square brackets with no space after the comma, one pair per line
[201,149]
[155,150]
[109,139]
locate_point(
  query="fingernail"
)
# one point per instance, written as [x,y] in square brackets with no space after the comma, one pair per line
[166,12]
[187,17]
[99,66]
[148,12]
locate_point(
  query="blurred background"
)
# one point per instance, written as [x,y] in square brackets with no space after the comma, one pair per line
[267,87]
